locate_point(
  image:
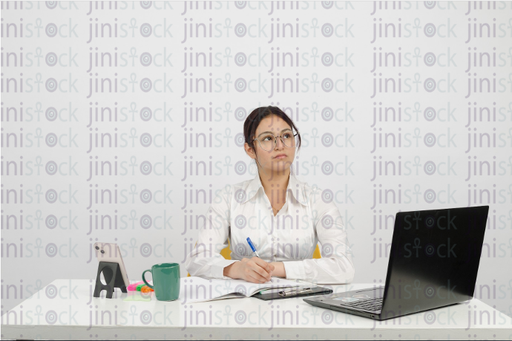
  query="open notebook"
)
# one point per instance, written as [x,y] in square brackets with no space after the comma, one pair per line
[197,289]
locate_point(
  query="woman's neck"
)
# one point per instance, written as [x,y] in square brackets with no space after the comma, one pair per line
[275,185]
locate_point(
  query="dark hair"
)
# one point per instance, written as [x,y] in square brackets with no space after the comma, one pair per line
[253,121]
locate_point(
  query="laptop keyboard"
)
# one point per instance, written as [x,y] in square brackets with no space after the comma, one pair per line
[373,304]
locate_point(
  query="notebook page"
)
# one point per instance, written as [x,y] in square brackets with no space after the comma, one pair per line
[248,288]
[197,289]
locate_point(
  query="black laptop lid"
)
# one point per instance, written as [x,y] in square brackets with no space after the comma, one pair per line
[434,259]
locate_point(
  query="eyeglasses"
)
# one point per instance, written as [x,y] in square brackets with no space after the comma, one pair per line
[268,141]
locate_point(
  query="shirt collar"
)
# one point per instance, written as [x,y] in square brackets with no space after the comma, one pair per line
[294,186]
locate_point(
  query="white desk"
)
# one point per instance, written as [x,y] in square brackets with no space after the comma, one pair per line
[65,309]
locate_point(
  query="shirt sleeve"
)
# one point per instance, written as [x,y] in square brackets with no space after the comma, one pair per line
[336,264]
[205,259]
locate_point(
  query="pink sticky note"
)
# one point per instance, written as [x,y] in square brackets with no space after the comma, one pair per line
[133,286]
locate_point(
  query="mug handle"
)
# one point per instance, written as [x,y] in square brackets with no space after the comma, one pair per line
[145,279]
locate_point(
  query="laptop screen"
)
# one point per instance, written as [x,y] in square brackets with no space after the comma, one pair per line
[434,259]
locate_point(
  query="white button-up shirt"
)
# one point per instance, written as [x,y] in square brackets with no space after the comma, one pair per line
[308,216]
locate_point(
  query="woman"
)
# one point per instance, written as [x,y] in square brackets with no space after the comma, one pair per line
[284,217]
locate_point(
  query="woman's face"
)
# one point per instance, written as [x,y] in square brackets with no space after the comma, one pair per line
[267,159]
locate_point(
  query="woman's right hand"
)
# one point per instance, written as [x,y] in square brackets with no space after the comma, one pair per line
[254,270]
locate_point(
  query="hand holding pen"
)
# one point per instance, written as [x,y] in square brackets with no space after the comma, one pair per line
[255,269]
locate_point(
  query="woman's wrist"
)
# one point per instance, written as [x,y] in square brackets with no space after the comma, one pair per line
[279,270]
[230,270]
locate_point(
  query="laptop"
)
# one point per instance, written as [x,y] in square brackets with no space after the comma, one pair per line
[433,263]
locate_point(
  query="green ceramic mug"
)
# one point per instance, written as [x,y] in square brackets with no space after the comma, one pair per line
[166,281]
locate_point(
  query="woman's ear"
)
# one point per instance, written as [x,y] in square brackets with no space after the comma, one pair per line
[249,151]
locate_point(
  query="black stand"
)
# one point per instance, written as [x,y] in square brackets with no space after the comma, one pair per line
[113,278]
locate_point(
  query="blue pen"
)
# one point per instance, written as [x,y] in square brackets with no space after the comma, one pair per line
[252,247]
